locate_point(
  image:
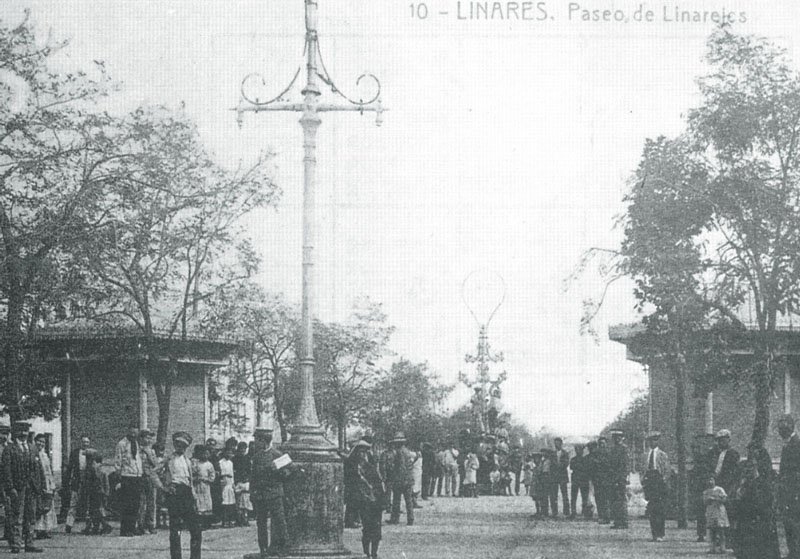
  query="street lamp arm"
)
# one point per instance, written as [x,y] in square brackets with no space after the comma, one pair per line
[256,101]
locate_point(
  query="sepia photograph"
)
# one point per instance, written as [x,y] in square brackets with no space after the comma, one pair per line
[398,279]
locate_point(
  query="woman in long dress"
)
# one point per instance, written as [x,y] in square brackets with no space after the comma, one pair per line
[203,476]
[756,535]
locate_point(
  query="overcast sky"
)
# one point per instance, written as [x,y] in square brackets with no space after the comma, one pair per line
[507,148]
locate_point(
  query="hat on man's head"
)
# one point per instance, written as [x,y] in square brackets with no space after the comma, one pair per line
[399,437]
[362,444]
[262,433]
[617,433]
[722,433]
[211,441]
[40,437]
[20,427]
[5,429]
[145,433]
[182,437]
[654,435]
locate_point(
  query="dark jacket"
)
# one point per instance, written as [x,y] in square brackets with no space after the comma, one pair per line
[728,476]
[20,469]
[560,466]
[580,469]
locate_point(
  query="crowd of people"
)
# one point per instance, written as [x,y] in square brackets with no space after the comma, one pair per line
[737,502]
[145,488]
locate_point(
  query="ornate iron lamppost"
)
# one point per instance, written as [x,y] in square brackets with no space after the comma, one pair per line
[314,501]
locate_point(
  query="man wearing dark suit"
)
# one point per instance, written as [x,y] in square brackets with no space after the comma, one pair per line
[22,478]
[266,493]
[703,463]
[655,477]
[559,477]
[789,479]
[726,462]
[726,466]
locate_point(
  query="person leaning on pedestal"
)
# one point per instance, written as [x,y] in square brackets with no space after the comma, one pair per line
[266,493]
[179,498]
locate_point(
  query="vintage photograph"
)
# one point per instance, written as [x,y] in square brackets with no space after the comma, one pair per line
[399,279]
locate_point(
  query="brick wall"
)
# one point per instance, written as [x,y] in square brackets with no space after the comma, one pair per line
[733,410]
[187,405]
[104,403]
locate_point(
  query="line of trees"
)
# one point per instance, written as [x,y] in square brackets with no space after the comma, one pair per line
[122,220]
[712,230]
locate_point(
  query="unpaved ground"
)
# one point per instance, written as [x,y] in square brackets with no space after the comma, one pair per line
[483,528]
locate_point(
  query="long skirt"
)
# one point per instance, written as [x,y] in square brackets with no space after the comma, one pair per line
[371,516]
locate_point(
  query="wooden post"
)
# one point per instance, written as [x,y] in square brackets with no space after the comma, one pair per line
[142,398]
[787,392]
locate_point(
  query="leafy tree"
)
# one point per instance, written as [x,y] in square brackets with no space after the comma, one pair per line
[346,364]
[406,399]
[56,162]
[265,328]
[175,239]
[713,228]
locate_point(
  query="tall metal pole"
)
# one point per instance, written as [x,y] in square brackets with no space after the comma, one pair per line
[314,501]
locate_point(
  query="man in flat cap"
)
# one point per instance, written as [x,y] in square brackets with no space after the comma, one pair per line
[179,498]
[655,478]
[266,493]
[618,470]
[22,479]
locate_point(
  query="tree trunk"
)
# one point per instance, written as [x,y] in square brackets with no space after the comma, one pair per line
[13,351]
[259,409]
[681,493]
[342,428]
[163,389]
[762,378]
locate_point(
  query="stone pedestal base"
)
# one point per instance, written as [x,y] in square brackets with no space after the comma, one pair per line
[314,501]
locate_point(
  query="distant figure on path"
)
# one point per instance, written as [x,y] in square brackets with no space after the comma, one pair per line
[402,479]
[128,463]
[580,483]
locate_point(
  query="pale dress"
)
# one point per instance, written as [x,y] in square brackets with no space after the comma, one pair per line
[716,515]
[471,469]
[226,473]
[204,474]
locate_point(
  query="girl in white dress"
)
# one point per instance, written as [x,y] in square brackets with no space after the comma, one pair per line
[203,477]
[228,493]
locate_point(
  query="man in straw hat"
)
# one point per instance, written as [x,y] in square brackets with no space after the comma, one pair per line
[401,478]
[655,477]
[22,479]
[179,498]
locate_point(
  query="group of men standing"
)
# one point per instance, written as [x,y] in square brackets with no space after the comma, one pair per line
[25,484]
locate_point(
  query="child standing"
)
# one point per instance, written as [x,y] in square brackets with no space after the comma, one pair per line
[203,476]
[228,493]
[527,474]
[714,498]
[471,465]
